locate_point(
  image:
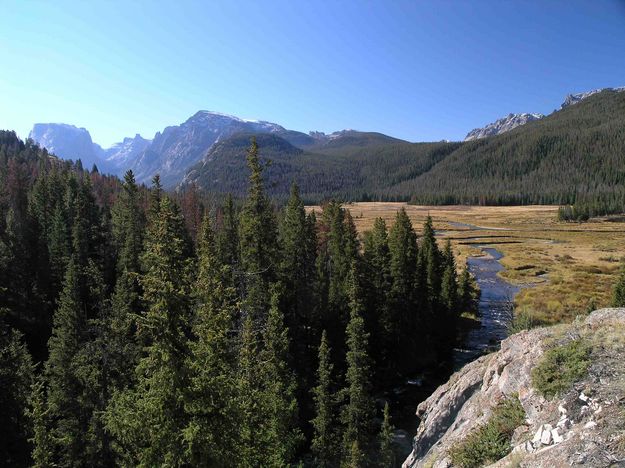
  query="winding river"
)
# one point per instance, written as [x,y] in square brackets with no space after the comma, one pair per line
[495,313]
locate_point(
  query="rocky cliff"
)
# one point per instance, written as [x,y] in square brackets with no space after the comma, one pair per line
[68,142]
[571,99]
[502,125]
[580,425]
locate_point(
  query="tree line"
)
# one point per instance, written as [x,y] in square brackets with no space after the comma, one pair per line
[143,328]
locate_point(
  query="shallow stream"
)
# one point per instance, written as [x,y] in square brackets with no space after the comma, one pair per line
[495,313]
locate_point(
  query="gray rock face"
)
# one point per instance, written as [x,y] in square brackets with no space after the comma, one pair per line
[565,431]
[68,142]
[179,147]
[575,98]
[123,155]
[502,125]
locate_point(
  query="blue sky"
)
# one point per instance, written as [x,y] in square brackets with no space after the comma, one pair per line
[416,70]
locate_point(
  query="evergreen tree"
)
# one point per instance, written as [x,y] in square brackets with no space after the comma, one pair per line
[43,450]
[324,439]
[405,315]
[449,283]
[58,246]
[432,261]
[468,293]
[339,252]
[16,378]
[69,416]
[249,397]
[387,456]
[127,224]
[358,411]
[297,271]
[618,298]
[157,400]
[257,230]
[228,236]
[280,435]
[211,432]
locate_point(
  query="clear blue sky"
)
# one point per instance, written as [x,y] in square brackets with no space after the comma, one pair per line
[416,70]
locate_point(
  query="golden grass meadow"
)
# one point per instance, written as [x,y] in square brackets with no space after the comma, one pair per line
[571,267]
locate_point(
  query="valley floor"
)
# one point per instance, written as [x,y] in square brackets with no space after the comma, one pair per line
[571,266]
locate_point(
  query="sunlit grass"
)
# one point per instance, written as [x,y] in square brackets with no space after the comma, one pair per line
[570,266]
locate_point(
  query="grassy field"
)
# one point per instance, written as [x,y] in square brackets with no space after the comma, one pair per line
[570,266]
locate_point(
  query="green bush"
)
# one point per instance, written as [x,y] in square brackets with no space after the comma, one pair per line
[524,320]
[560,367]
[490,442]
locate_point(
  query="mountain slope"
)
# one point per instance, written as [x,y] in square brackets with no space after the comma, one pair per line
[179,147]
[124,154]
[356,171]
[68,142]
[502,125]
[573,153]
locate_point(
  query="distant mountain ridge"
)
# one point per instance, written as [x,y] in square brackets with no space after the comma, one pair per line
[179,152]
[502,125]
[575,98]
[511,121]
[67,142]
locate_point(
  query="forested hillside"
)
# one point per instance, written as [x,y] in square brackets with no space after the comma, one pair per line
[574,156]
[141,328]
[356,167]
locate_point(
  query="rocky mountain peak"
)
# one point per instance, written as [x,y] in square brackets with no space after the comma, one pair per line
[575,98]
[502,125]
[68,142]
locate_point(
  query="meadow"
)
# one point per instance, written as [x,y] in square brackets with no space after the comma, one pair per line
[571,267]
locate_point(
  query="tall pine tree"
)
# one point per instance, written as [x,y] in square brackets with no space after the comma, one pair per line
[258,241]
[148,420]
[358,411]
[324,444]
[211,434]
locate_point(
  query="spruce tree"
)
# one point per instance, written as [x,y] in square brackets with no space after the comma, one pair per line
[468,293]
[387,456]
[339,252]
[128,225]
[358,410]
[68,414]
[378,316]
[58,246]
[405,314]
[618,298]
[432,262]
[323,443]
[157,401]
[258,235]
[297,271]
[449,282]
[280,434]
[228,236]
[16,378]
[42,454]
[211,432]
[249,397]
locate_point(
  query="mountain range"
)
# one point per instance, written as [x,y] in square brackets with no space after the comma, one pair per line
[208,150]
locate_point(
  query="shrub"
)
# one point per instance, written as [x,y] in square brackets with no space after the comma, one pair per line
[524,320]
[490,442]
[560,367]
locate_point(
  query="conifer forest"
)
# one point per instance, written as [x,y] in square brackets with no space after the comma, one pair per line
[140,327]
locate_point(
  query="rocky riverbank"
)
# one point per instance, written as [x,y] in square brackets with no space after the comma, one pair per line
[583,424]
